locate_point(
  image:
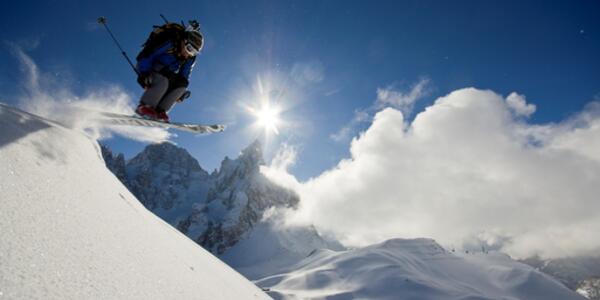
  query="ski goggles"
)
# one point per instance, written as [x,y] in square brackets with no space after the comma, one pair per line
[190,49]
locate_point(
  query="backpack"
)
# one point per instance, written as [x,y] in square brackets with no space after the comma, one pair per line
[169,32]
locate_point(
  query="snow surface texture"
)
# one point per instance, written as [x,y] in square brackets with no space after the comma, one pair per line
[71,230]
[412,269]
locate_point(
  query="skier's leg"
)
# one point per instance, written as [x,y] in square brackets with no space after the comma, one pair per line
[170,98]
[156,91]
[177,87]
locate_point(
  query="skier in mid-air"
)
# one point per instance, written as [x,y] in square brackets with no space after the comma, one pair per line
[164,66]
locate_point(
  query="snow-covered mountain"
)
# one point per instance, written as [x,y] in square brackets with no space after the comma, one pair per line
[71,230]
[215,210]
[165,178]
[412,269]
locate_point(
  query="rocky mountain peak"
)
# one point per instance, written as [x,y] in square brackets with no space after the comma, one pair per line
[249,162]
[215,210]
[254,152]
[115,163]
[167,154]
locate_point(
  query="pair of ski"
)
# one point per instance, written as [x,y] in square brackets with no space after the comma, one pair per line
[121,119]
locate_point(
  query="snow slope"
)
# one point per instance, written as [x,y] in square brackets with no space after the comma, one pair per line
[412,269]
[70,230]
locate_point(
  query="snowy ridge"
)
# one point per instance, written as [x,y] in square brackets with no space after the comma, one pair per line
[412,269]
[71,230]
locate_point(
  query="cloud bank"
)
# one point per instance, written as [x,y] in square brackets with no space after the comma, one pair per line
[468,170]
[45,96]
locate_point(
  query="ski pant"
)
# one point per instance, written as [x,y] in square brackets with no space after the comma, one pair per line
[163,92]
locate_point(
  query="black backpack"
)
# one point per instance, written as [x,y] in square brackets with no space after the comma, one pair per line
[169,32]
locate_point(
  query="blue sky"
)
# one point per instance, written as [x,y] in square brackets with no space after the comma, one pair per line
[348,50]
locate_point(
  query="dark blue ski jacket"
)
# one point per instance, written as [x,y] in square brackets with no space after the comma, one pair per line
[167,57]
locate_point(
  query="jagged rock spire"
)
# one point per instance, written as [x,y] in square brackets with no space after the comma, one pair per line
[167,153]
[254,152]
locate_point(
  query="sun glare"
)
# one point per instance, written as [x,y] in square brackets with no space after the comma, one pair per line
[269,103]
[267,117]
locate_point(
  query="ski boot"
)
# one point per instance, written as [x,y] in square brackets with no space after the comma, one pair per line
[162,116]
[146,112]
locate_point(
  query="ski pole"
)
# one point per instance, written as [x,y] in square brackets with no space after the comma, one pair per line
[102,20]
[165,19]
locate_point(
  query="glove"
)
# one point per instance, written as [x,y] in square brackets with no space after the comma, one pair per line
[145,80]
[185,95]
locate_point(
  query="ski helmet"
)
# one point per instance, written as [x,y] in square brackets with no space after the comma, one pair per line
[193,42]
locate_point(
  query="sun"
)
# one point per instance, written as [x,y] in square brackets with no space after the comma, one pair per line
[268,105]
[267,117]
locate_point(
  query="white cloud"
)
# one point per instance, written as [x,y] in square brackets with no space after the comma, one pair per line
[519,105]
[580,134]
[466,168]
[404,101]
[46,97]
[284,158]
[278,169]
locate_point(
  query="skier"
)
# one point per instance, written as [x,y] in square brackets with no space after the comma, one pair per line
[164,67]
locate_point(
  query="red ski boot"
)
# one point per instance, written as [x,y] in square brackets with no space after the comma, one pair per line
[145,112]
[162,116]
